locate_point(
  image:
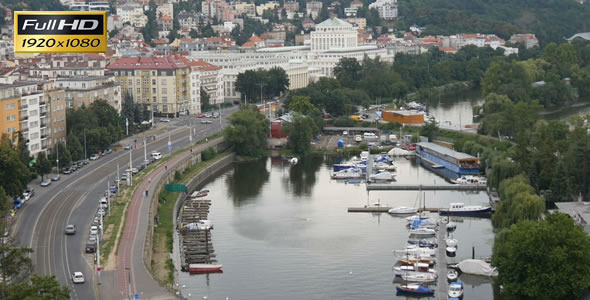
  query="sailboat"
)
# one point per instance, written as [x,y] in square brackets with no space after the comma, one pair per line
[402,210]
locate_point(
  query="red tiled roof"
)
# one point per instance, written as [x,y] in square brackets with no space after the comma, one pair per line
[248,44]
[255,38]
[160,42]
[166,18]
[133,63]
[200,64]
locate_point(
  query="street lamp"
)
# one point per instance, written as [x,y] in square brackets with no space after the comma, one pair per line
[128,283]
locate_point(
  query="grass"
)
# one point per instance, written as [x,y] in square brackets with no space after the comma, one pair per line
[118,205]
[163,232]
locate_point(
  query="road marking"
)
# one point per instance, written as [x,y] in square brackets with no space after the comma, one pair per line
[67,263]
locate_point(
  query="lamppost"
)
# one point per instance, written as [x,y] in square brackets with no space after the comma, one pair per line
[128,283]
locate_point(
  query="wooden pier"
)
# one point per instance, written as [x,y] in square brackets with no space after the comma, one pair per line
[196,246]
[418,187]
[442,285]
[384,209]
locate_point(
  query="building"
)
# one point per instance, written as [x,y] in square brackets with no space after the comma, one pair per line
[160,84]
[403,116]
[292,6]
[128,11]
[361,23]
[56,97]
[249,9]
[10,118]
[333,34]
[350,11]
[268,5]
[85,90]
[34,122]
[580,36]
[387,8]
[358,4]
[313,8]
[529,40]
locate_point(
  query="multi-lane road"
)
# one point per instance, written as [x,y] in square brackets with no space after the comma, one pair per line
[74,200]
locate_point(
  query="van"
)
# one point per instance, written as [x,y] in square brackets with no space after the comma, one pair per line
[369,136]
[156,155]
[358,138]
[103,203]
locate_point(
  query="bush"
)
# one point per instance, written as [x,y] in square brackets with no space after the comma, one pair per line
[363,146]
[176,175]
[208,154]
[344,122]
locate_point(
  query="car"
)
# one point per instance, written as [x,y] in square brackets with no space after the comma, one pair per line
[127,147]
[412,147]
[78,277]
[18,202]
[94,157]
[101,211]
[93,230]
[73,167]
[145,122]
[85,161]
[103,202]
[107,151]
[90,247]
[124,177]
[46,182]
[205,122]
[165,120]
[67,171]
[141,166]
[28,194]
[134,170]
[156,155]
[70,229]
[79,164]
[201,116]
[345,132]
[55,177]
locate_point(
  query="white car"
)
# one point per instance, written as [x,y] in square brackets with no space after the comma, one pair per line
[156,155]
[165,120]
[78,277]
[93,230]
[94,157]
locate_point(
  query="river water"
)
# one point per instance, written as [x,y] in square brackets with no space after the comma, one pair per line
[283,232]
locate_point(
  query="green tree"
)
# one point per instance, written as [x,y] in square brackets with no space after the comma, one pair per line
[247,132]
[300,133]
[75,147]
[246,84]
[14,174]
[532,256]
[429,130]
[348,72]
[42,165]
[204,100]
[65,158]
[14,262]
[150,31]
[508,79]
[302,105]
[23,150]
[277,81]
[519,202]
[41,287]
[5,205]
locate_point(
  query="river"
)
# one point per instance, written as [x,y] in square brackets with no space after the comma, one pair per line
[283,232]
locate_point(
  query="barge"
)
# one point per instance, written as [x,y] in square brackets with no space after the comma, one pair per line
[458,162]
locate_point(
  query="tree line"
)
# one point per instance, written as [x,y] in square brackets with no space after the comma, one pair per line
[254,84]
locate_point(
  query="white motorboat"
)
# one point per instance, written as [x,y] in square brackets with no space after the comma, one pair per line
[385,166]
[451,227]
[413,269]
[455,290]
[293,160]
[470,179]
[419,277]
[451,251]
[382,176]
[352,173]
[414,250]
[402,210]
[451,242]
[421,231]
[452,274]
[461,209]
[411,219]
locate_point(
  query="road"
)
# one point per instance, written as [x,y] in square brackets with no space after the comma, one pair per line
[74,200]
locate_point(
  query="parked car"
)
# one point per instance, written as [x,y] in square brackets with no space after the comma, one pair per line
[90,247]
[156,155]
[79,164]
[78,277]
[107,151]
[85,161]
[205,122]
[55,177]
[46,182]
[165,120]
[145,122]
[94,157]
[201,116]
[67,171]
[93,230]
[70,229]
[127,147]
[28,194]
[17,203]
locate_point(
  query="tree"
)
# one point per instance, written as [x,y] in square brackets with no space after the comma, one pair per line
[4,205]
[75,147]
[204,100]
[41,287]
[508,79]
[150,31]
[519,202]
[42,165]
[277,81]
[248,132]
[23,150]
[348,72]
[246,84]
[302,105]
[558,269]
[300,133]
[14,174]
[65,158]
[429,130]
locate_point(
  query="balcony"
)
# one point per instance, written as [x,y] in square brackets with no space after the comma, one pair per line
[24,106]
[43,114]
[43,125]
[25,129]
[44,136]
[24,118]
[42,103]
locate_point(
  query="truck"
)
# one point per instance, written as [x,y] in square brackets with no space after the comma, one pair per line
[356,118]
[392,138]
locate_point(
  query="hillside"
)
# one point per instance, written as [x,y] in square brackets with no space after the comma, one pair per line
[550,20]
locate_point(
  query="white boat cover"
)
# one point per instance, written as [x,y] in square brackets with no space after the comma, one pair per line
[398,152]
[477,267]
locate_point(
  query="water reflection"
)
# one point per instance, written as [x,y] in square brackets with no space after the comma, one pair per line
[302,176]
[246,180]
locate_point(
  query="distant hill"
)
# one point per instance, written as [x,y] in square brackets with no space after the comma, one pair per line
[550,20]
[33,5]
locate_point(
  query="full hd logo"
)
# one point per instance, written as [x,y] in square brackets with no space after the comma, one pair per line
[60,32]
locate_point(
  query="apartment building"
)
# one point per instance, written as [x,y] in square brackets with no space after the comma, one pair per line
[85,90]
[313,8]
[56,97]
[9,111]
[160,84]
[34,122]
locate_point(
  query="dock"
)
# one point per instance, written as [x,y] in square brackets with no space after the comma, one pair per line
[420,187]
[384,209]
[442,285]
[196,245]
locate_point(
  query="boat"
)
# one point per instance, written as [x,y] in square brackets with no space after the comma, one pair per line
[343,166]
[385,176]
[451,242]
[423,243]
[402,210]
[452,275]
[451,227]
[411,219]
[428,223]
[419,277]
[461,209]
[476,267]
[456,290]
[421,231]
[352,173]
[414,289]
[451,251]
[385,166]
[413,269]
[471,180]
[412,260]
[204,268]
[413,250]
[199,194]
[458,162]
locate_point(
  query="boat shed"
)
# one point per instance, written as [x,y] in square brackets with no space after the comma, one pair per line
[462,159]
[579,211]
[403,116]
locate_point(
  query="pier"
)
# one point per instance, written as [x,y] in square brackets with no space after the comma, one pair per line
[442,285]
[195,241]
[384,209]
[418,187]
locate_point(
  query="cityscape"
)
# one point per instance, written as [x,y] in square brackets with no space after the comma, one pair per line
[350,149]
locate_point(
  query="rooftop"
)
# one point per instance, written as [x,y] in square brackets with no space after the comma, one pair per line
[133,63]
[446,151]
[579,211]
[334,22]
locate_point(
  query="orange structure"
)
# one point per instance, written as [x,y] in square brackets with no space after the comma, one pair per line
[403,116]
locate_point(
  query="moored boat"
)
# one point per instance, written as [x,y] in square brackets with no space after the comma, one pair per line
[461,209]
[413,269]
[402,210]
[456,290]
[199,194]
[419,277]
[421,231]
[382,176]
[470,179]
[352,173]
[204,268]
[452,275]
[451,251]
[451,242]
[458,162]
[414,289]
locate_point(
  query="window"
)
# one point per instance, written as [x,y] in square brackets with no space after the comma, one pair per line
[10,106]
[164,99]
[34,135]
[164,81]
[138,90]
[11,118]
[154,99]
[145,81]
[33,101]
[164,91]
[130,90]
[145,90]
[153,81]
[154,90]
[138,82]
[33,113]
